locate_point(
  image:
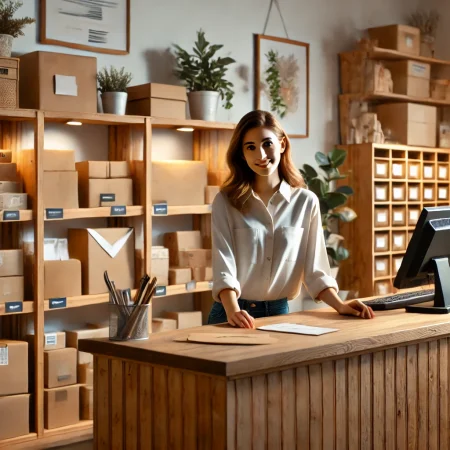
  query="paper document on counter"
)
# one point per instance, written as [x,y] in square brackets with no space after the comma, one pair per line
[296,328]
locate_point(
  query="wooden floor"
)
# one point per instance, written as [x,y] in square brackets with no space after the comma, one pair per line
[89,445]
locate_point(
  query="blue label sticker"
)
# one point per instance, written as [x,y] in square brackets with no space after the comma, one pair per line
[13,307]
[11,215]
[118,210]
[107,198]
[54,213]
[160,290]
[55,303]
[160,209]
[191,285]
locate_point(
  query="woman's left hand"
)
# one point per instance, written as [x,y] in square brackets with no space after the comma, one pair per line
[356,308]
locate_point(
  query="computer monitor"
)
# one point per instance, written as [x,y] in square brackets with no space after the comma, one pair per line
[428,254]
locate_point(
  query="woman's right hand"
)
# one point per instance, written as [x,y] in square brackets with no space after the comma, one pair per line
[241,319]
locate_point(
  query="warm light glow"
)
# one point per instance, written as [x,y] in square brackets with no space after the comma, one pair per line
[74,122]
[188,129]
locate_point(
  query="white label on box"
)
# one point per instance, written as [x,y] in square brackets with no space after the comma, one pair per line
[380,169]
[66,85]
[418,69]
[398,216]
[414,214]
[397,193]
[380,193]
[428,194]
[413,170]
[4,356]
[397,170]
[428,172]
[442,193]
[380,242]
[442,173]
[50,339]
[381,266]
[413,193]
[409,41]
[397,263]
[381,217]
[399,240]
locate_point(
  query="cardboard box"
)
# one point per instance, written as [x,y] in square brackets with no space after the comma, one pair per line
[190,192]
[61,190]
[101,249]
[10,187]
[409,123]
[119,189]
[53,160]
[181,240]
[85,374]
[210,193]
[61,406]
[60,367]
[440,89]
[5,156]
[179,275]
[119,169]
[8,172]
[92,169]
[160,324]
[11,263]
[52,341]
[199,257]
[62,279]
[11,289]
[72,338]
[9,83]
[202,273]
[39,82]
[410,78]
[160,265]
[13,202]
[188,319]
[157,100]
[13,367]
[15,416]
[403,38]
[86,403]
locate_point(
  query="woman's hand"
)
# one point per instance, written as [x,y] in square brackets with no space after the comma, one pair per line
[241,319]
[356,308]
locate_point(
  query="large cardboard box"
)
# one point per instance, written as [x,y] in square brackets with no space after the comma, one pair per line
[61,406]
[87,403]
[52,341]
[39,82]
[409,123]
[85,374]
[92,169]
[8,172]
[118,191]
[73,336]
[11,289]
[62,278]
[202,273]
[11,263]
[187,319]
[53,160]
[410,78]
[403,38]
[101,249]
[13,367]
[60,367]
[157,100]
[10,187]
[119,169]
[13,202]
[160,265]
[181,240]
[179,182]
[193,258]
[60,190]
[180,275]
[14,416]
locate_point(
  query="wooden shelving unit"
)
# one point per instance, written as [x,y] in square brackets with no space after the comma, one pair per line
[104,211]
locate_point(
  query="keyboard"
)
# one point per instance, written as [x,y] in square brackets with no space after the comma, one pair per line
[397,301]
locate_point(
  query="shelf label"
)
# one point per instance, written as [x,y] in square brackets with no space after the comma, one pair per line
[160,209]
[13,307]
[107,198]
[210,284]
[118,210]
[54,213]
[55,303]
[11,215]
[50,339]
[4,355]
[381,242]
[191,285]
[160,291]
[4,71]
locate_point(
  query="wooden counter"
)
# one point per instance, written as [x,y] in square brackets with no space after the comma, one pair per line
[381,384]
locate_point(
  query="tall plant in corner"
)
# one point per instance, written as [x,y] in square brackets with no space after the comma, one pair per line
[332,201]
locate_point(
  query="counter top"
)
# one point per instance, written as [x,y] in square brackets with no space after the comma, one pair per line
[354,336]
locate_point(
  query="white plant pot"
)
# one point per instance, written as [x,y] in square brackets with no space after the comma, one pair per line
[203,105]
[114,103]
[6,42]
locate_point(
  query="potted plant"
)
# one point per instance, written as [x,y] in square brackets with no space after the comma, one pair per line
[204,77]
[113,87]
[427,22]
[332,201]
[10,28]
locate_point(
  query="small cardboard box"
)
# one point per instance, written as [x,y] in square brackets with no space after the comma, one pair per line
[198,257]
[190,192]
[440,89]
[62,279]
[160,324]
[202,273]
[8,172]
[181,240]
[15,416]
[86,403]
[53,160]
[119,169]
[85,374]
[210,194]
[11,289]
[61,190]
[188,319]
[10,187]
[101,249]
[13,202]
[5,156]
[13,367]
[157,100]
[72,338]
[410,78]
[402,38]
[61,406]
[160,265]
[60,367]
[92,169]
[410,123]
[106,192]
[11,263]
[9,83]
[40,88]
[179,275]
[52,341]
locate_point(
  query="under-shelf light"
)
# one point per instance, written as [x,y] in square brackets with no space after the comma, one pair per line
[186,129]
[74,123]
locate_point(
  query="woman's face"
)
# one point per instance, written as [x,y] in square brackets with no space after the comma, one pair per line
[262,150]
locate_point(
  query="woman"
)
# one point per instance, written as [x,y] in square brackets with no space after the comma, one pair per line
[267,232]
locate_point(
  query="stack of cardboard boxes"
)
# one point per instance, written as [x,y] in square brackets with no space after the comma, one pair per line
[11,276]
[11,196]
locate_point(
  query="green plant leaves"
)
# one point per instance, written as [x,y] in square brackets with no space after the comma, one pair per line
[8,24]
[322,159]
[113,80]
[340,254]
[273,80]
[337,157]
[345,214]
[309,171]
[335,199]
[347,190]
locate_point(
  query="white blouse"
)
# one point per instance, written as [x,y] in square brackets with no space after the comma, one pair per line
[266,253]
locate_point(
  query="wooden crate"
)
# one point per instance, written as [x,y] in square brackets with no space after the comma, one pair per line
[9,83]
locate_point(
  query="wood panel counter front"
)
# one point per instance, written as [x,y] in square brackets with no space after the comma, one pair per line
[374,384]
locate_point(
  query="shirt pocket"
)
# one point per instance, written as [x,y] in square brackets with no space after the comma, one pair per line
[290,242]
[247,245]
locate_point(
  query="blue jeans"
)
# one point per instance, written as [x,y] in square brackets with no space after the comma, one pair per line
[256,309]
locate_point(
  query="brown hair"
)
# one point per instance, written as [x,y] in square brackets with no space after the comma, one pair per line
[238,185]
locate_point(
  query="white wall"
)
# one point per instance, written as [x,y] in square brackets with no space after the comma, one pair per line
[329,26]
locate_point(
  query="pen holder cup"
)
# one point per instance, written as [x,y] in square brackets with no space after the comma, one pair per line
[128,322]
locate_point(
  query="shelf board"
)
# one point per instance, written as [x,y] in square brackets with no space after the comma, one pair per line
[97,119]
[28,307]
[17,114]
[178,289]
[179,210]
[25,215]
[104,211]
[81,425]
[384,96]
[196,124]
[388,54]
[18,441]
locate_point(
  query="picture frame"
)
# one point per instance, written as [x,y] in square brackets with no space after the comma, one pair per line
[281,83]
[70,24]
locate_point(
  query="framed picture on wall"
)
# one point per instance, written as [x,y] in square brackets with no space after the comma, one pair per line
[94,25]
[282,82]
